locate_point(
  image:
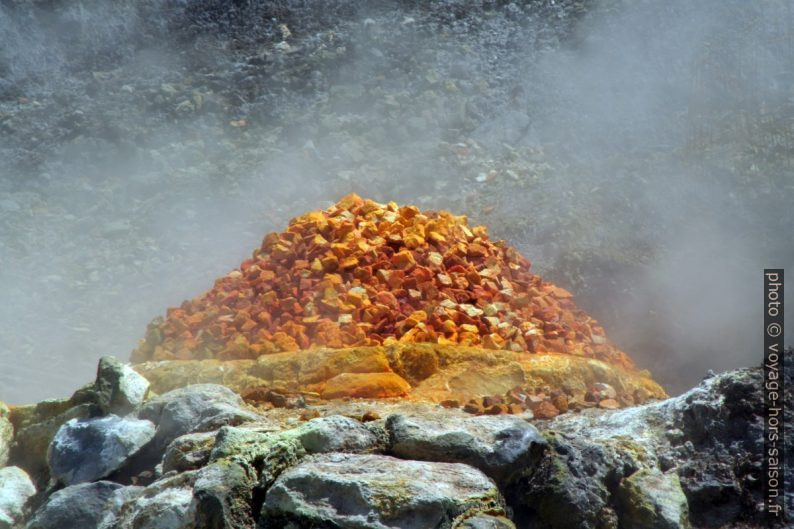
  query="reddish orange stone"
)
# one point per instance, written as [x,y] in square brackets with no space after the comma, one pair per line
[364,273]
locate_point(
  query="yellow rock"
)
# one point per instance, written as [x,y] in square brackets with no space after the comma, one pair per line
[436,372]
[366,385]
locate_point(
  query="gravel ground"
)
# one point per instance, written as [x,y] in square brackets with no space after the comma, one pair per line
[639,154]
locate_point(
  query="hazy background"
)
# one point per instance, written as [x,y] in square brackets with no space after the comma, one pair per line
[639,153]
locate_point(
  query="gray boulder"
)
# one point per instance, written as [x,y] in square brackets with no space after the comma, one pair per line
[90,449]
[167,503]
[33,438]
[570,487]
[499,445]
[189,451]
[223,494]
[653,500]
[377,492]
[694,458]
[16,489]
[197,408]
[335,433]
[272,452]
[170,508]
[120,388]
[86,506]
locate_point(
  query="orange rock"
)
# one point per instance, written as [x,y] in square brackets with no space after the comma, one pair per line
[496,409]
[361,272]
[609,404]
[403,259]
[370,416]
[309,415]
[545,410]
[561,403]
[473,407]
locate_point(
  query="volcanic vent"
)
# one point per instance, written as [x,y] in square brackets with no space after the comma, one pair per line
[393,280]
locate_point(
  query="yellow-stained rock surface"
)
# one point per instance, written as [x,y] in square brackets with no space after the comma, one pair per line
[365,386]
[454,373]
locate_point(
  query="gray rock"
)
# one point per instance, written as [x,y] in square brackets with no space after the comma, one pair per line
[165,504]
[189,452]
[486,521]
[117,389]
[652,500]
[89,449]
[169,508]
[201,407]
[499,445]
[15,490]
[85,506]
[272,452]
[120,498]
[6,434]
[223,496]
[570,487]
[244,443]
[335,433]
[377,492]
[711,436]
[122,390]
[31,442]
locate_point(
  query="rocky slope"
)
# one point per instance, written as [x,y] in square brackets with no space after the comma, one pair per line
[115,455]
[147,145]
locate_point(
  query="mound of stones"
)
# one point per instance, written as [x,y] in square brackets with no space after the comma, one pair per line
[363,273]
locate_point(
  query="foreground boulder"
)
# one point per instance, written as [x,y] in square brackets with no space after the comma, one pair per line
[166,504]
[35,427]
[336,433]
[693,460]
[87,505]
[653,500]
[570,487]
[90,449]
[378,492]
[498,445]
[196,408]
[16,489]
[274,452]
[117,389]
[223,495]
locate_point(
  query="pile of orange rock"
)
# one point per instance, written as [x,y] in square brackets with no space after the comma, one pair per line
[362,273]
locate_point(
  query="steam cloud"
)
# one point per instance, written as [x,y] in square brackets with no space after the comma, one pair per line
[641,155]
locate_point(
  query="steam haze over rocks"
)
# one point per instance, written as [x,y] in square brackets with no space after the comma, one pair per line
[638,153]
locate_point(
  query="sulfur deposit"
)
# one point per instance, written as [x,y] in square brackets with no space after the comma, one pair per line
[405,293]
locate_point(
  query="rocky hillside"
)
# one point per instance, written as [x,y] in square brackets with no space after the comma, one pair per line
[147,145]
[115,455]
